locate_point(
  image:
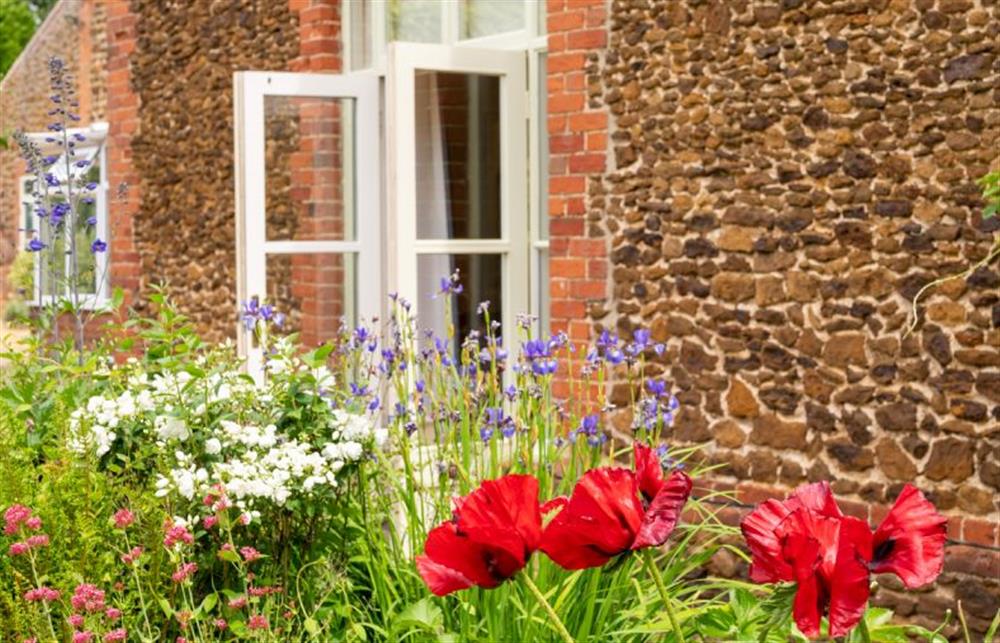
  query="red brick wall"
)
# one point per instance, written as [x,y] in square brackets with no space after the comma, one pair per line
[578,144]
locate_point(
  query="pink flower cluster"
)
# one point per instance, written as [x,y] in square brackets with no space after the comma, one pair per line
[123,518]
[132,556]
[43,594]
[176,534]
[258,622]
[17,515]
[184,572]
[88,598]
[250,554]
[18,519]
[116,635]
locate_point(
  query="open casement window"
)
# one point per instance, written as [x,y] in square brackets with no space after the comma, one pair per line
[308,210]
[310,228]
[55,273]
[456,134]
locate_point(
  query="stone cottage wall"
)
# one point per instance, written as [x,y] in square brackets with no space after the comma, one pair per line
[786,177]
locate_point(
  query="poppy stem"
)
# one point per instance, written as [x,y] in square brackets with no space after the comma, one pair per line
[553,617]
[866,636]
[654,571]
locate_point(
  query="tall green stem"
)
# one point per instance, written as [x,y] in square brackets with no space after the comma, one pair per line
[654,571]
[553,617]
[866,636]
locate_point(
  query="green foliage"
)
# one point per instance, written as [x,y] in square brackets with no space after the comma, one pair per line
[991,193]
[339,557]
[17,24]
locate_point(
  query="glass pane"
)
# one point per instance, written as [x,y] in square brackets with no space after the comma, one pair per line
[361,36]
[315,292]
[542,164]
[309,165]
[542,283]
[414,20]
[481,280]
[488,17]
[458,155]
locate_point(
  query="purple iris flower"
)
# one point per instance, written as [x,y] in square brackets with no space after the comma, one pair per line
[656,387]
[358,391]
[51,180]
[35,245]
[98,246]
[615,355]
[374,404]
[588,426]
[486,433]
[641,337]
[91,221]
[450,285]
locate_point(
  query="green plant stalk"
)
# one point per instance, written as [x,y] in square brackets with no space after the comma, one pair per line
[553,617]
[647,557]
[866,636]
[138,587]
[45,605]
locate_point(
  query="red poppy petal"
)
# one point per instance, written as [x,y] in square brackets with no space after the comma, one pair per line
[552,505]
[568,543]
[815,497]
[806,606]
[849,585]
[759,529]
[664,512]
[648,472]
[504,514]
[599,522]
[446,547]
[441,580]
[910,541]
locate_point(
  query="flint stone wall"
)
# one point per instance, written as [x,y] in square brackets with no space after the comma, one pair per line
[182,70]
[786,177]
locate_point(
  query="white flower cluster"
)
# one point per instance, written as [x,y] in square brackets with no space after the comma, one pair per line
[181,415]
[260,464]
[106,415]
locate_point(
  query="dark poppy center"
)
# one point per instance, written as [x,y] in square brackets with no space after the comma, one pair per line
[883,550]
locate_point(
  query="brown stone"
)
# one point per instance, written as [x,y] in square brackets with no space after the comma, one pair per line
[950,459]
[845,349]
[894,461]
[975,500]
[851,456]
[734,238]
[732,286]
[769,290]
[728,434]
[740,401]
[949,313]
[899,416]
[770,430]
[802,286]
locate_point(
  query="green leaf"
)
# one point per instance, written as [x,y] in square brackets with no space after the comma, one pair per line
[208,603]
[311,626]
[422,615]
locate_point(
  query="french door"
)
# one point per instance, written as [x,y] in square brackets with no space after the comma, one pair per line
[307,199]
[310,225]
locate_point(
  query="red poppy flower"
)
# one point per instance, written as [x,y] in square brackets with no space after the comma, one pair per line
[614,510]
[910,541]
[495,530]
[807,540]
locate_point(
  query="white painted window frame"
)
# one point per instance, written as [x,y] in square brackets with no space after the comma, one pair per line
[404,60]
[252,245]
[95,138]
[451,16]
